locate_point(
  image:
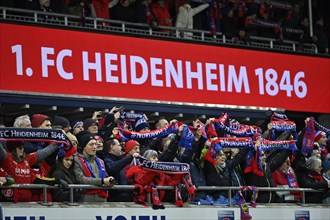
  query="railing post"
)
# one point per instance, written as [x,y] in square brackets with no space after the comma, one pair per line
[303,198]
[71,202]
[45,202]
[229,197]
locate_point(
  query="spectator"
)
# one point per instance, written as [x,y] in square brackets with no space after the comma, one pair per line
[185,17]
[143,13]
[18,164]
[285,177]
[142,125]
[101,8]
[321,141]
[148,180]
[319,36]
[91,126]
[115,164]
[77,126]
[123,11]
[62,123]
[311,177]
[64,170]
[89,169]
[41,121]
[217,170]
[22,121]
[162,14]
[230,27]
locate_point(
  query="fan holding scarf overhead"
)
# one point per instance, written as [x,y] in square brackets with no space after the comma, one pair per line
[15,159]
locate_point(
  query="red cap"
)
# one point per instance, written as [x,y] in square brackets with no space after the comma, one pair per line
[318,135]
[38,119]
[130,145]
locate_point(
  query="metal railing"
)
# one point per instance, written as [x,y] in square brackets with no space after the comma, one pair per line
[140,29]
[71,202]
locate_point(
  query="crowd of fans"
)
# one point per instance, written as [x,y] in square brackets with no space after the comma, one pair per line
[236,19]
[124,148]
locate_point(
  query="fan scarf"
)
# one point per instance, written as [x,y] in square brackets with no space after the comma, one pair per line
[130,116]
[126,135]
[35,135]
[308,139]
[164,167]
[283,125]
[279,117]
[187,134]
[254,162]
[241,131]
[219,143]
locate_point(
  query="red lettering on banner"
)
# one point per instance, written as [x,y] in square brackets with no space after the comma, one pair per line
[125,67]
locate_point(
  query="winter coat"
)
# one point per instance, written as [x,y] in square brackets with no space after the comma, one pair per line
[223,177]
[63,195]
[114,166]
[185,17]
[273,162]
[306,180]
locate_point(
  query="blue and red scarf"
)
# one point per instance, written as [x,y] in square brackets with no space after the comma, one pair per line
[308,139]
[35,135]
[126,135]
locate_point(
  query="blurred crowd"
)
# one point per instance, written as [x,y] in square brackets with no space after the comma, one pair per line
[237,19]
[124,148]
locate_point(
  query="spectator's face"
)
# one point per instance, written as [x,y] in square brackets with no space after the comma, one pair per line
[135,149]
[316,153]
[26,123]
[67,161]
[90,148]
[46,125]
[323,140]
[116,149]
[153,158]
[162,123]
[20,151]
[318,167]
[221,158]
[93,129]
[78,129]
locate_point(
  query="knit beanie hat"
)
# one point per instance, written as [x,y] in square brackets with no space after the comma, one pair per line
[61,121]
[130,145]
[38,119]
[83,138]
[89,122]
[75,123]
[318,135]
[140,123]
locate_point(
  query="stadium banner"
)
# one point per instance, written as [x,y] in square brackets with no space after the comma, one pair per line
[94,212]
[58,61]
